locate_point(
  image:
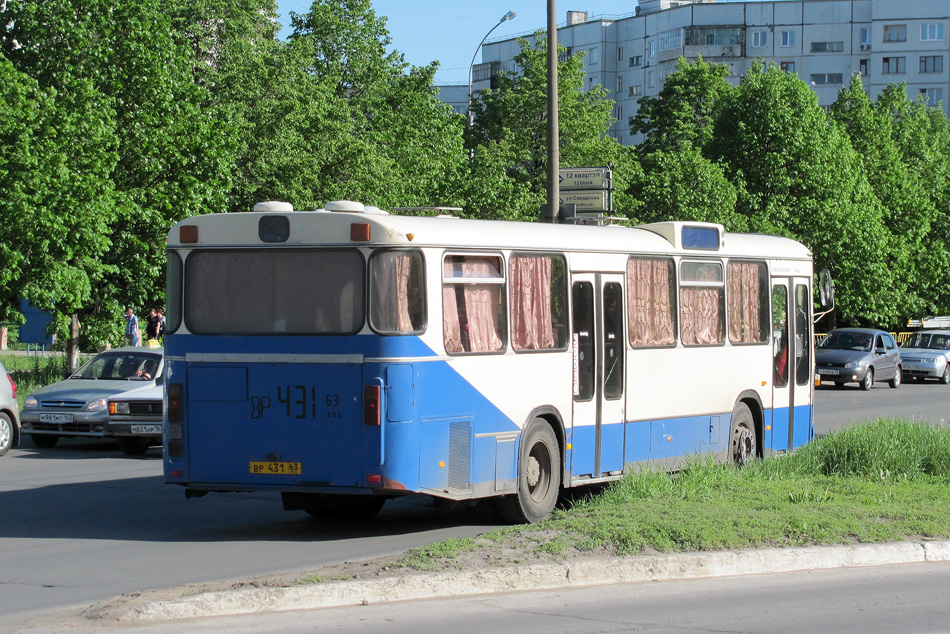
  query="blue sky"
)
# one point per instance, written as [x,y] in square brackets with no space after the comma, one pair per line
[427,30]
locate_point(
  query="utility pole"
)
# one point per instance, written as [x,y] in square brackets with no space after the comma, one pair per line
[554,159]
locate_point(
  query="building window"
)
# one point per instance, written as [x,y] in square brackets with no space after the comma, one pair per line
[931,31]
[619,54]
[863,67]
[760,39]
[633,91]
[619,116]
[895,33]
[788,39]
[652,48]
[893,66]
[619,84]
[827,47]
[594,56]
[788,67]
[651,81]
[933,95]
[636,60]
[826,78]
[865,37]
[931,63]
[671,40]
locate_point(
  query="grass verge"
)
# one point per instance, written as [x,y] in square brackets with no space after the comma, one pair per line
[30,373]
[877,482]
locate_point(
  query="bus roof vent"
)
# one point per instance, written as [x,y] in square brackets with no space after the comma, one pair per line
[345,205]
[273,205]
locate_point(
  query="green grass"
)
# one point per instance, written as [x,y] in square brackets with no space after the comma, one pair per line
[33,372]
[877,482]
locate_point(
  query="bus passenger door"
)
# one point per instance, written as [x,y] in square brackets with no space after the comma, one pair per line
[792,374]
[598,345]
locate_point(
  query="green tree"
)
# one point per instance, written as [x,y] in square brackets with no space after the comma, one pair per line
[684,111]
[510,125]
[797,175]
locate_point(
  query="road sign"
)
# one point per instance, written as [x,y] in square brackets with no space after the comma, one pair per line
[591,200]
[584,178]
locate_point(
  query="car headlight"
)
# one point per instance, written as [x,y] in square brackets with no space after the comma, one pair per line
[929,361]
[118,408]
[96,405]
[852,364]
[30,402]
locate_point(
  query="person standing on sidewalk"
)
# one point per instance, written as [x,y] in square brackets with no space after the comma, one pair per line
[131,328]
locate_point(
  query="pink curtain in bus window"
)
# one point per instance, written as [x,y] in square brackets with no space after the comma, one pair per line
[532,327]
[482,302]
[391,276]
[743,284]
[699,314]
[648,303]
[451,328]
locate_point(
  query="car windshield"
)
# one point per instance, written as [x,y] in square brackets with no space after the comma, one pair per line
[111,366]
[859,341]
[928,340]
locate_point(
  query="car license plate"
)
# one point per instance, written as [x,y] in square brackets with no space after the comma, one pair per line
[276,468]
[147,429]
[824,371]
[56,418]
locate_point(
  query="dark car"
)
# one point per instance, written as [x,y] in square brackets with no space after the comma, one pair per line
[78,406]
[858,355]
[9,413]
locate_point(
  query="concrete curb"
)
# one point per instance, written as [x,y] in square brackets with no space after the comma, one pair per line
[575,573]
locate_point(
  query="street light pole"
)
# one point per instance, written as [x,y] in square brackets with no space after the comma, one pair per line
[508,16]
[554,153]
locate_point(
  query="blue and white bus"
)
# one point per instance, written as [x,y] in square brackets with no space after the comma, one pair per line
[348,356]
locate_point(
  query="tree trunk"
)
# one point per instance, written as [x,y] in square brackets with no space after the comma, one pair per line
[72,344]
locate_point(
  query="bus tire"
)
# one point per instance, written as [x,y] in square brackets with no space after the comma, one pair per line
[539,476]
[743,445]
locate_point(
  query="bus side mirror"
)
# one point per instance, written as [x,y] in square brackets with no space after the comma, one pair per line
[826,290]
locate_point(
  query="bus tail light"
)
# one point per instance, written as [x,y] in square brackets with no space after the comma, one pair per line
[371,405]
[175,406]
[374,480]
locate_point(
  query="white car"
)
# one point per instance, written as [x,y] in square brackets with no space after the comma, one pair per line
[136,419]
[9,413]
[926,355]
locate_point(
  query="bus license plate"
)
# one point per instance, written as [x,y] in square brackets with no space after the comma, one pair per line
[824,371]
[147,429]
[56,418]
[276,468]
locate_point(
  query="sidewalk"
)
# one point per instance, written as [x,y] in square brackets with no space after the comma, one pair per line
[183,603]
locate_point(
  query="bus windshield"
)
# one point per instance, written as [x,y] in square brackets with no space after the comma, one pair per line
[275,291]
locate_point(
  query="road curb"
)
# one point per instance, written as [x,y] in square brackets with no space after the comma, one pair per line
[572,573]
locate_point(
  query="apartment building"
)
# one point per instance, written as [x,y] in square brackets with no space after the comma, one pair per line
[822,41]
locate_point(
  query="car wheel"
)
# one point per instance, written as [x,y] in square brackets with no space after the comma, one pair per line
[744,447]
[945,377]
[6,433]
[868,381]
[44,441]
[539,476]
[896,381]
[132,446]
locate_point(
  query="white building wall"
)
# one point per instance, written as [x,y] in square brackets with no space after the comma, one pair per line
[624,55]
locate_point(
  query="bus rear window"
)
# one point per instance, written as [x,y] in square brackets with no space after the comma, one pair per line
[397,292]
[274,291]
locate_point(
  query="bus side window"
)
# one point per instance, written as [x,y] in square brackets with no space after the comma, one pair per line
[397,297]
[583,295]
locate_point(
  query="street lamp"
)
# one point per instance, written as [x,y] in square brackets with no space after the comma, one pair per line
[508,16]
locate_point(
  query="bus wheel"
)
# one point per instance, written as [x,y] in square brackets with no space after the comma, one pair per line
[744,447]
[539,476]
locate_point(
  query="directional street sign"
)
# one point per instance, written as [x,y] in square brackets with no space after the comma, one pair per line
[584,178]
[591,200]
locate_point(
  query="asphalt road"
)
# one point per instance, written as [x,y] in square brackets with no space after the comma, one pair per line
[81,522]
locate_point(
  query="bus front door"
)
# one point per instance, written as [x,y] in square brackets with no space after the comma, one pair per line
[598,343]
[792,373]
